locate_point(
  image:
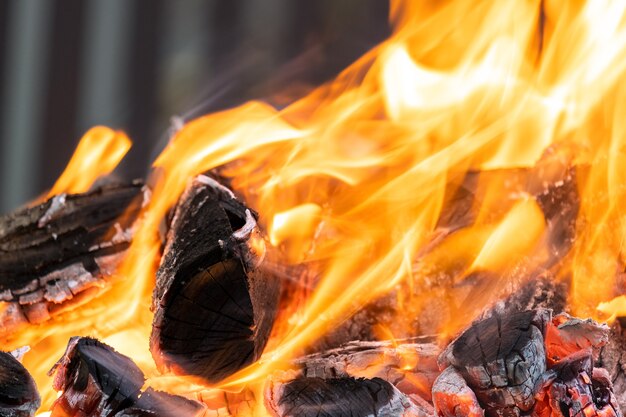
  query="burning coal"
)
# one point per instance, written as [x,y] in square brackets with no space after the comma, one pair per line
[450,195]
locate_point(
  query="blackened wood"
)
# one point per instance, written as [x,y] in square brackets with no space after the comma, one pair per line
[502,358]
[410,365]
[56,253]
[95,380]
[214,306]
[338,397]
[18,393]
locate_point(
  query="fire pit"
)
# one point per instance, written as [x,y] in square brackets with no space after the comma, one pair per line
[436,232]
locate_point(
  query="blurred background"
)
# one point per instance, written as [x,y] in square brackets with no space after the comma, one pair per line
[66,65]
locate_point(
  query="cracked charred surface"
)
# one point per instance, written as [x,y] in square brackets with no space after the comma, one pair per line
[338,397]
[64,251]
[575,388]
[526,363]
[94,380]
[214,305]
[18,393]
[502,358]
[410,365]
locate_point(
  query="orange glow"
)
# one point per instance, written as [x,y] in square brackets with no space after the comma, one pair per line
[97,154]
[354,182]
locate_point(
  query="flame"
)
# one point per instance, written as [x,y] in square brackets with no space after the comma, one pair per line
[354,180]
[98,153]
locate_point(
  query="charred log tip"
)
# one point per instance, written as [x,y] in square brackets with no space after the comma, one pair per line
[18,393]
[62,252]
[86,357]
[502,358]
[214,307]
[337,397]
[93,379]
[501,327]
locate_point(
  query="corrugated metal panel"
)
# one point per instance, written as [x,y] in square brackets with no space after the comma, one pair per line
[26,66]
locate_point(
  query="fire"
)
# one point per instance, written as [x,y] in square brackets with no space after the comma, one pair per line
[355,178]
[100,150]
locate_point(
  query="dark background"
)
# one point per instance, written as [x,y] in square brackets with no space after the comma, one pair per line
[66,65]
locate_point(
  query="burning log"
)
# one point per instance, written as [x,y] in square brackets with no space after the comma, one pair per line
[577,388]
[62,252]
[502,359]
[337,397]
[214,307]
[410,365]
[95,380]
[359,378]
[18,393]
[525,363]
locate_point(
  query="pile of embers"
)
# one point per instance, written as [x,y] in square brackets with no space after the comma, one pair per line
[214,306]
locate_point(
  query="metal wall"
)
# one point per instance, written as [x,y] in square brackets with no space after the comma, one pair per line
[66,65]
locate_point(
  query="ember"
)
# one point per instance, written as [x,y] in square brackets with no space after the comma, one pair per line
[414,238]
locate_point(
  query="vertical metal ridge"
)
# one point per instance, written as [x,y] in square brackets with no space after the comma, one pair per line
[26,59]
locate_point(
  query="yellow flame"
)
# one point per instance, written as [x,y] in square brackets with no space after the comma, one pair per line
[97,154]
[352,179]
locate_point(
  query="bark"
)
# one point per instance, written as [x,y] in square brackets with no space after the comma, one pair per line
[502,358]
[18,393]
[94,380]
[526,363]
[410,365]
[214,304]
[63,252]
[338,397]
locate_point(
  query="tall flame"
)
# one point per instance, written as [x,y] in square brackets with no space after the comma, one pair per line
[98,153]
[353,178]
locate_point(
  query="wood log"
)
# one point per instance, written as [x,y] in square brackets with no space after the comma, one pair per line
[502,358]
[18,393]
[214,305]
[526,363]
[338,397]
[410,364]
[94,380]
[64,251]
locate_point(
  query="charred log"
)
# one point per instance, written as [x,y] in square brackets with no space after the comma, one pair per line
[502,358]
[338,397]
[63,251]
[95,380]
[214,307]
[18,393]
[526,363]
[410,365]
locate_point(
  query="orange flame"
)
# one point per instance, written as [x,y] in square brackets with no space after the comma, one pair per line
[354,177]
[97,154]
